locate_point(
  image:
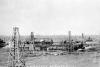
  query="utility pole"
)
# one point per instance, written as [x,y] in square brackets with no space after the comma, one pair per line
[16,55]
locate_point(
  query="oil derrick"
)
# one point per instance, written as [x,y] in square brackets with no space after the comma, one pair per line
[32,42]
[82,38]
[32,36]
[69,33]
[16,55]
[70,47]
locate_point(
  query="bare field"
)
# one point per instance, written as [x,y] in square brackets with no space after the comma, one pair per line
[69,60]
[3,57]
[86,59]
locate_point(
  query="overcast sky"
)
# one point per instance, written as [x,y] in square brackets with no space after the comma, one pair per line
[48,17]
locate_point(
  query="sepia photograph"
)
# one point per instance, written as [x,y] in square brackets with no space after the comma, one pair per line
[49,33]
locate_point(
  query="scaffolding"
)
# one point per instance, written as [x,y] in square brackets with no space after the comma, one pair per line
[16,57]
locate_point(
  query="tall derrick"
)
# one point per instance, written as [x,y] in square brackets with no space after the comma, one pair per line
[82,38]
[32,36]
[69,33]
[32,42]
[16,55]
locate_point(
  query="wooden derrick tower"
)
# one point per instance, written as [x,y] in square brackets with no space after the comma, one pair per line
[32,41]
[16,55]
[82,38]
[69,37]
[32,36]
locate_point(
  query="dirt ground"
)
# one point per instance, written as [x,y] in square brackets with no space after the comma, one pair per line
[86,59]
[82,60]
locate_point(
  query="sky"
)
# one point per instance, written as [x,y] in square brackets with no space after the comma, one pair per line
[50,17]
